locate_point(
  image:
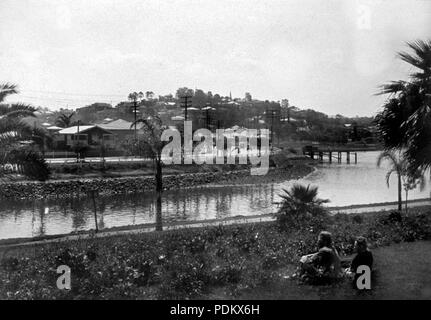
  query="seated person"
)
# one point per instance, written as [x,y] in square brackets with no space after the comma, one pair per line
[323,265]
[363,257]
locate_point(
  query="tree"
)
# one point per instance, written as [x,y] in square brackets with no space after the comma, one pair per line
[210,96]
[181,92]
[199,99]
[88,114]
[152,144]
[298,202]
[16,154]
[149,95]
[136,98]
[248,97]
[405,178]
[405,121]
[169,97]
[65,120]
[411,182]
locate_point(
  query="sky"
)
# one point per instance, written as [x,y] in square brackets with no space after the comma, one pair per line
[329,55]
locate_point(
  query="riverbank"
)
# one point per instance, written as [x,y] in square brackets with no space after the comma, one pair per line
[133,184]
[370,209]
[382,206]
[192,263]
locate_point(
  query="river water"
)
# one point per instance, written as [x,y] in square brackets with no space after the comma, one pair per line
[343,184]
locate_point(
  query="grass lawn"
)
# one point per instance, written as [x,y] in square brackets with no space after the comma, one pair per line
[403,271]
[237,261]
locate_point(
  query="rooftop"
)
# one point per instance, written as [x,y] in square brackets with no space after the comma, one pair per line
[119,124]
[54,128]
[74,129]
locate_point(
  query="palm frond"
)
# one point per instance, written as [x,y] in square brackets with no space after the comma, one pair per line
[388,176]
[421,57]
[391,156]
[7,89]
[65,120]
[17,110]
[300,195]
[28,162]
[393,87]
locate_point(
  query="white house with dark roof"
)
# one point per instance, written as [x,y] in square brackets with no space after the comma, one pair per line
[121,129]
[87,135]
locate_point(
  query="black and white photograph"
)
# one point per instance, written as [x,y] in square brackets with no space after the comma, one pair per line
[233,151]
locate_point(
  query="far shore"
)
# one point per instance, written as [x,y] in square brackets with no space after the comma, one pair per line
[372,207]
[197,177]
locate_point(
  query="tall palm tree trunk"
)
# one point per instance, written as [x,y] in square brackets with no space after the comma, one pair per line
[407,193]
[159,188]
[400,200]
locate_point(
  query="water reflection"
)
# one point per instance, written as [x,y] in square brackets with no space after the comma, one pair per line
[77,214]
[341,183]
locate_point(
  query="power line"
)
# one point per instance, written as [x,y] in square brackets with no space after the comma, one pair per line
[58,99]
[186,102]
[74,94]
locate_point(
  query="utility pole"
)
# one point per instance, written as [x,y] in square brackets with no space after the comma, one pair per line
[272,113]
[186,102]
[134,98]
[135,108]
[272,129]
[207,109]
[78,154]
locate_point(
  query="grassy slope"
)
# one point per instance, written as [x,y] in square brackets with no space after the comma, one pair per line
[402,272]
[215,262]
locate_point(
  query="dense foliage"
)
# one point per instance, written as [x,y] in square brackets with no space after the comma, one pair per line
[191,263]
[299,206]
[405,121]
[18,141]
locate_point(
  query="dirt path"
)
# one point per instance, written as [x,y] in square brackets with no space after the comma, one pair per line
[403,271]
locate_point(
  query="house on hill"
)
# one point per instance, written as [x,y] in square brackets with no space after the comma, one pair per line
[121,129]
[91,135]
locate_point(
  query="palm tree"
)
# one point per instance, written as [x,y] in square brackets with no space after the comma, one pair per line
[65,120]
[411,182]
[405,121]
[16,155]
[149,95]
[405,177]
[152,146]
[398,166]
[300,200]
[136,98]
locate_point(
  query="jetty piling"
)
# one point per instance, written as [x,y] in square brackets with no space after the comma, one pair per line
[334,153]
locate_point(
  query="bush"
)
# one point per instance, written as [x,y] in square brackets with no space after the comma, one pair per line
[299,204]
[190,263]
[357,219]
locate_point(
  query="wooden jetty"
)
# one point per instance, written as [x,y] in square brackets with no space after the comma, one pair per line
[332,154]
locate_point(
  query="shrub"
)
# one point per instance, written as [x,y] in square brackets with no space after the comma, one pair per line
[357,219]
[189,263]
[298,206]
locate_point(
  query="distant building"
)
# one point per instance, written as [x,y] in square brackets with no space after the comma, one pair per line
[177,118]
[122,130]
[84,135]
